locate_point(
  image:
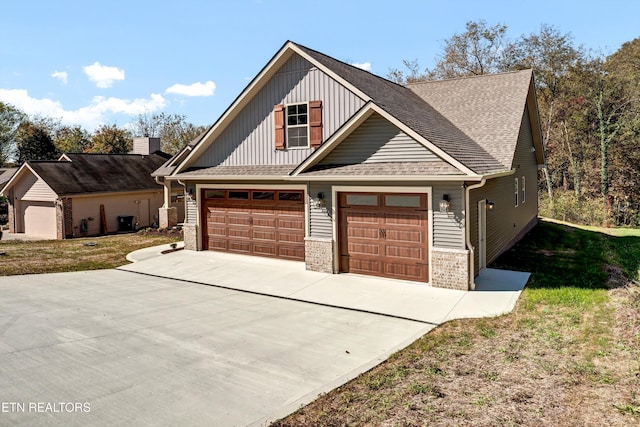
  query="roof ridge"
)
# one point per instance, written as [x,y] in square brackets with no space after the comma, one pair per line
[347,64]
[476,76]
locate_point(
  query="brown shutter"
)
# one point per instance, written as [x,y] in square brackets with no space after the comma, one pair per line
[278,122]
[315,123]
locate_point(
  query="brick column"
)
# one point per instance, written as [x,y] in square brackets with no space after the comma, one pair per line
[190,234]
[450,268]
[318,254]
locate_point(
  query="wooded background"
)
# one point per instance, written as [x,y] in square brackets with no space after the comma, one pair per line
[589,106]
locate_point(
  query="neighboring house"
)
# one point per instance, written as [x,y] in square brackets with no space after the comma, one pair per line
[6,174]
[87,194]
[322,162]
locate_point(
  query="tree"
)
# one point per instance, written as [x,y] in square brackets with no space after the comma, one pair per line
[33,142]
[10,120]
[553,56]
[173,130]
[110,139]
[72,139]
[479,50]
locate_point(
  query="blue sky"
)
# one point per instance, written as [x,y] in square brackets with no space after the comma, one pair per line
[105,62]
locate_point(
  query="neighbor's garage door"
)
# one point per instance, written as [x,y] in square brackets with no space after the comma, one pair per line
[384,235]
[39,218]
[254,222]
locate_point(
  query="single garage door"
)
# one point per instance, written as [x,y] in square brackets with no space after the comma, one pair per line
[255,222]
[39,218]
[384,235]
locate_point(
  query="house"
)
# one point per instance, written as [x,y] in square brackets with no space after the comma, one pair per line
[6,174]
[321,162]
[87,194]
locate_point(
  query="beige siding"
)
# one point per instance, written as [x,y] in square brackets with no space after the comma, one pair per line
[30,187]
[378,141]
[507,221]
[249,139]
[142,206]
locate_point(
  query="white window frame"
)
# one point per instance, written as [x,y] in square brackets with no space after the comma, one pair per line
[524,198]
[516,192]
[288,126]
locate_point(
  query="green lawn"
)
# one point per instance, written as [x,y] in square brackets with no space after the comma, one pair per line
[568,355]
[52,256]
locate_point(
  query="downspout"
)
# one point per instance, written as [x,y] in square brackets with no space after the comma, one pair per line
[467,220]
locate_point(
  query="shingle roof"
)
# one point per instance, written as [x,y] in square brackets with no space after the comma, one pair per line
[380,169]
[412,110]
[100,173]
[254,170]
[488,108]
[5,175]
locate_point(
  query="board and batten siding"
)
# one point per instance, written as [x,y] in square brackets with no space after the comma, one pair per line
[378,141]
[249,139]
[320,216]
[448,228]
[32,188]
[506,221]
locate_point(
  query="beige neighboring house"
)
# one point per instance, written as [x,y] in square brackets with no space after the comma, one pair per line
[87,194]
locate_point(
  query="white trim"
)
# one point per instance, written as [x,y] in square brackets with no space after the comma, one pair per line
[287,126]
[365,112]
[482,232]
[335,189]
[255,186]
[18,175]
[258,82]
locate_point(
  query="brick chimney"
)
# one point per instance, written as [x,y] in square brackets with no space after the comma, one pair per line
[145,145]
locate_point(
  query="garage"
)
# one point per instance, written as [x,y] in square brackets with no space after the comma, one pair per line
[258,222]
[384,234]
[39,218]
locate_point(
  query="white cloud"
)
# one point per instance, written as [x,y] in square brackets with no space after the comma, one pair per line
[362,65]
[195,89]
[96,113]
[60,75]
[103,75]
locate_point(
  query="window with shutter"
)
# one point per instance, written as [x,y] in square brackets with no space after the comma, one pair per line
[298,125]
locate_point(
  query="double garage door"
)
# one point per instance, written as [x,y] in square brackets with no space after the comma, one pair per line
[255,222]
[384,234]
[381,234]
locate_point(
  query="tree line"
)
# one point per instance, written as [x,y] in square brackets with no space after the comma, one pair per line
[24,137]
[589,106]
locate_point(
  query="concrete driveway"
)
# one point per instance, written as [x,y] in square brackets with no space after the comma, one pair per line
[115,347]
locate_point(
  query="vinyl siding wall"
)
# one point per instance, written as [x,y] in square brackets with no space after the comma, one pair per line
[320,216]
[448,228]
[30,187]
[249,139]
[377,141]
[507,221]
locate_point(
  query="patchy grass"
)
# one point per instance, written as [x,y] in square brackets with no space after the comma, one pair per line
[569,354]
[52,256]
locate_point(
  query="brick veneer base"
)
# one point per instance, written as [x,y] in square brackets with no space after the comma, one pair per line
[318,254]
[168,217]
[450,268]
[190,234]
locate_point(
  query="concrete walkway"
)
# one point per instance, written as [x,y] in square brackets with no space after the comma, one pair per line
[496,290]
[21,236]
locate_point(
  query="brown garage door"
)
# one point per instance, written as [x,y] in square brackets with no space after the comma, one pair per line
[384,235]
[254,222]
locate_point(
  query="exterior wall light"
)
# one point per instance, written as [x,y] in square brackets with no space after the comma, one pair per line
[320,200]
[490,205]
[445,205]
